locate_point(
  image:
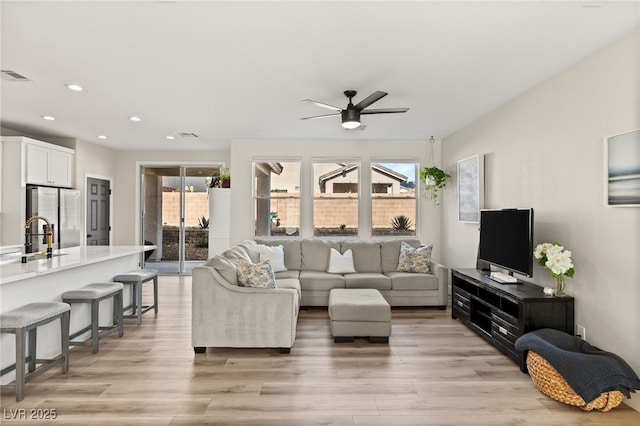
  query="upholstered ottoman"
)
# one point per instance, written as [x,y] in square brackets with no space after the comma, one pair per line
[359,313]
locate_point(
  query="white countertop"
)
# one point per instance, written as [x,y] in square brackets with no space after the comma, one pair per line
[64,259]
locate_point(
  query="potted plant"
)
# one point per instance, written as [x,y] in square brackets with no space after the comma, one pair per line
[433,179]
[225,178]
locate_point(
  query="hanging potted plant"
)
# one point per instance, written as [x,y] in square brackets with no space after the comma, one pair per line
[433,179]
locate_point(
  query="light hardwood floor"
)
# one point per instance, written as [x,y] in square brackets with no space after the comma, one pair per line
[434,371]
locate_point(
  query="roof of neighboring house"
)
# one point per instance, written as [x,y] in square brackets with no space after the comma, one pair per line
[350,167]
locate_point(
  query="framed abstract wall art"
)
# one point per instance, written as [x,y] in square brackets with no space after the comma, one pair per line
[470,188]
[622,153]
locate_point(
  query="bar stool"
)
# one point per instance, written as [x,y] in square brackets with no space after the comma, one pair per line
[27,319]
[94,294]
[136,279]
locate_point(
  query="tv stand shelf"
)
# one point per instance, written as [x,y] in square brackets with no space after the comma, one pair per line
[500,313]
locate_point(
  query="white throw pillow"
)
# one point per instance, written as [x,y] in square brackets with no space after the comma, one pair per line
[341,263]
[258,275]
[274,255]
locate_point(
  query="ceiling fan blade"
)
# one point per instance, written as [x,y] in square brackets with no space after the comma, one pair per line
[322,104]
[320,116]
[374,97]
[384,111]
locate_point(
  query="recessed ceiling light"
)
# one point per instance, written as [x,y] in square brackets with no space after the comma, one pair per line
[75,87]
[48,117]
[102,137]
[135,118]
[171,137]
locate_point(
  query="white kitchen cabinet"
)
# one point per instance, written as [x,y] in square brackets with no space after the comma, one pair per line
[51,165]
[48,165]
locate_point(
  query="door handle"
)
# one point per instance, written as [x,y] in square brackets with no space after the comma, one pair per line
[89,235]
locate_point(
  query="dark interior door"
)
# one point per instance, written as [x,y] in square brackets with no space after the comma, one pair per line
[98,205]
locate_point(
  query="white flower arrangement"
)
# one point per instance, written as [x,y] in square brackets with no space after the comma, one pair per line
[557,259]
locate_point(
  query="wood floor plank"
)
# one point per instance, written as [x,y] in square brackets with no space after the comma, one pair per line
[433,371]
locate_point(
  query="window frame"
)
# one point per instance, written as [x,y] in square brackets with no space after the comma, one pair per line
[358,198]
[255,196]
[376,196]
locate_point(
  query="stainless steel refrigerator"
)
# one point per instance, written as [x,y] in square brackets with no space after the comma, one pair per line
[61,207]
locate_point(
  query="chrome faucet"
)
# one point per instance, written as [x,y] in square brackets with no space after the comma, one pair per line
[27,239]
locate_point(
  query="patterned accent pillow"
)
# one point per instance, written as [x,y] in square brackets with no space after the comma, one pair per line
[341,263]
[414,259]
[256,275]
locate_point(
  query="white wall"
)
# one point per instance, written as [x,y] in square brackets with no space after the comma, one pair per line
[126,185]
[243,152]
[545,150]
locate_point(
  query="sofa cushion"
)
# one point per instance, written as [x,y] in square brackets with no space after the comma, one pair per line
[274,255]
[289,273]
[390,253]
[412,281]
[293,283]
[292,254]
[225,267]
[256,275]
[315,254]
[414,259]
[366,255]
[340,263]
[367,280]
[320,280]
[250,248]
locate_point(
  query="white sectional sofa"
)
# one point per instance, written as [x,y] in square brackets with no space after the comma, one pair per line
[225,314]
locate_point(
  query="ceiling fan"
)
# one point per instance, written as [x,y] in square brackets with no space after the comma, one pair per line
[351,114]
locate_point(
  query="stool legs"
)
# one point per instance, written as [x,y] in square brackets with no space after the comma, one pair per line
[20,359]
[95,325]
[64,325]
[118,317]
[138,290]
[33,338]
[155,294]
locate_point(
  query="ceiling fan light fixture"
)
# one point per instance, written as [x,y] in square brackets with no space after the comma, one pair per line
[350,119]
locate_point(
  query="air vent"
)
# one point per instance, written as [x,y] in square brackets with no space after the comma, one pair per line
[188,135]
[13,76]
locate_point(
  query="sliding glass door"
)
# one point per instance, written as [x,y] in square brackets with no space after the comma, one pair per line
[175,216]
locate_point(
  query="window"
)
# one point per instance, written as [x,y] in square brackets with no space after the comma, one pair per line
[393,198]
[277,198]
[335,198]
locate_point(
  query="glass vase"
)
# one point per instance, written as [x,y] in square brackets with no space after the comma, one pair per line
[560,285]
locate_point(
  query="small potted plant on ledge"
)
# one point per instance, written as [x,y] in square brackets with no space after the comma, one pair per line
[433,179]
[225,178]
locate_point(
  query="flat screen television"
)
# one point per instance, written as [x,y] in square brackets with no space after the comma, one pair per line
[506,239]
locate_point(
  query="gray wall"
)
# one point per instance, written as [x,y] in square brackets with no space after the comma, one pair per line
[545,150]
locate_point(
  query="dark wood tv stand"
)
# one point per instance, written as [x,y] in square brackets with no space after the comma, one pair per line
[500,313]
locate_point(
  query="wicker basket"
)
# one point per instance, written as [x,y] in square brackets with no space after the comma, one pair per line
[551,383]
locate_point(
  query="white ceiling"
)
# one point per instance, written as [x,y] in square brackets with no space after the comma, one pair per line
[228,70]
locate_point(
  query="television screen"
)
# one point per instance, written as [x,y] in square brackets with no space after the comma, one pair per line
[506,239]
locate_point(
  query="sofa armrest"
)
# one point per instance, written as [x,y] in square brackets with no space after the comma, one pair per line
[226,315]
[442,274]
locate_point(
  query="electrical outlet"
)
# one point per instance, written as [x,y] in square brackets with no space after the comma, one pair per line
[581,332]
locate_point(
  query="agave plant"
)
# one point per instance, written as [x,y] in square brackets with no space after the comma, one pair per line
[203,222]
[401,223]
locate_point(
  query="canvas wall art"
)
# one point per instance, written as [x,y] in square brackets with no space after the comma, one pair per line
[623,169]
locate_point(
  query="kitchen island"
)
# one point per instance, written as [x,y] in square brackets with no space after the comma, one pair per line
[44,280]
